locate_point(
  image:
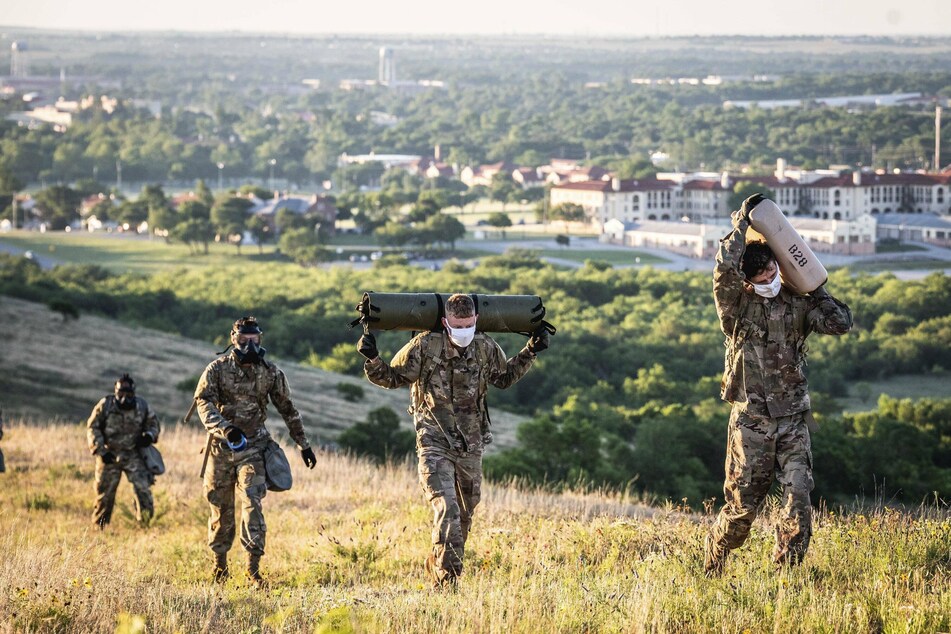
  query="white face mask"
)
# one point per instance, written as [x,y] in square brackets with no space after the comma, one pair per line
[462,337]
[769,290]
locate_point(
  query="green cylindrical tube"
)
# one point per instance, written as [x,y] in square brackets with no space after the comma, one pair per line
[424,311]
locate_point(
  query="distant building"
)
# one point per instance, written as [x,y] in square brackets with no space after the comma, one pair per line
[19,60]
[387,72]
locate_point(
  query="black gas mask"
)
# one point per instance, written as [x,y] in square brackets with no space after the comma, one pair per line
[249,352]
[125,392]
[246,338]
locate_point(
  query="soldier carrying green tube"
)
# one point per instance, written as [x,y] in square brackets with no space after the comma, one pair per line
[448,369]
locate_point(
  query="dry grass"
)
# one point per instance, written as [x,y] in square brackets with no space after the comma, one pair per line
[345,548]
[51,368]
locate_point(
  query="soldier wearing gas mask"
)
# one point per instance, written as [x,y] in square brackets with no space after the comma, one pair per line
[231,399]
[119,425]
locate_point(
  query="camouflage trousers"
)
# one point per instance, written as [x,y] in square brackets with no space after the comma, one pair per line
[107,482]
[452,481]
[229,474]
[759,449]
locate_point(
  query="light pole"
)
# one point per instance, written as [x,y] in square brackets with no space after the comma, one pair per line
[221,167]
[270,180]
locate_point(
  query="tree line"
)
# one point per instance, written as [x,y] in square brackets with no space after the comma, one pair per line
[640,407]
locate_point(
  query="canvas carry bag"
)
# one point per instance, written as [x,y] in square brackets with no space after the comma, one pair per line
[153,459]
[799,267]
[277,470]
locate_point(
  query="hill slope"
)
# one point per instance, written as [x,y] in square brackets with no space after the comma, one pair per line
[346,545]
[53,368]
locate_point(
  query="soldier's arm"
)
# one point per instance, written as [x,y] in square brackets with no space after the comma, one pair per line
[727,274]
[402,370]
[94,435]
[280,395]
[152,425]
[505,372]
[828,315]
[206,395]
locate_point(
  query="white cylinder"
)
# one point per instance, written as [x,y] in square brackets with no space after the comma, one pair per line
[800,269]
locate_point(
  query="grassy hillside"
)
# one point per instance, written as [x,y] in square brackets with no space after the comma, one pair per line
[51,368]
[345,548]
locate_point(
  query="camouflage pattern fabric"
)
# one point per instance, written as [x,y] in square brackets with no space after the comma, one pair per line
[449,405]
[450,415]
[757,449]
[232,395]
[229,394]
[453,485]
[107,481]
[240,474]
[764,378]
[110,429]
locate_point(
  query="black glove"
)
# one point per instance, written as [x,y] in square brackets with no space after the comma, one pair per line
[367,346]
[309,458]
[538,341]
[237,441]
[108,458]
[749,204]
[144,440]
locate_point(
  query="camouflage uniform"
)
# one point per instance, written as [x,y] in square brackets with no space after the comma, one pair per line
[111,429]
[234,395]
[452,426]
[765,381]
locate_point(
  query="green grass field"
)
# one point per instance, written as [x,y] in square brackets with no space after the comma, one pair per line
[614,257]
[346,545]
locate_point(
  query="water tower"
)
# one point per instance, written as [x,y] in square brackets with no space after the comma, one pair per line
[387,66]
[19,63]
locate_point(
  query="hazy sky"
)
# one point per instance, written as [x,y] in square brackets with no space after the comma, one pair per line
[568,17]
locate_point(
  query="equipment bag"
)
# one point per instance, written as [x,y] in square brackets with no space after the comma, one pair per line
[799,267]
[277,470]
[424,311]
[152,458]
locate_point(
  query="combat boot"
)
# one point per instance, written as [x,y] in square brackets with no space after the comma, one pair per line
[714,558]
[254,572]
[220,574]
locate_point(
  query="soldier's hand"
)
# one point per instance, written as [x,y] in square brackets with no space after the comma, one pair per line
[108,458]
[749,204]
[144,440]
[309,458]
[367,346]
[538,341]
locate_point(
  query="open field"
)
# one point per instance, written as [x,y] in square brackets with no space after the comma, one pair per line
[864,395]
[346,545]
[53,368]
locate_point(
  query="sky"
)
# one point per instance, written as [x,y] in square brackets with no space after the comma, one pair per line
[501,17]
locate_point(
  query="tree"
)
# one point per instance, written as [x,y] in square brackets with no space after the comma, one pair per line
[204,194]
[194,231]
[260,231]
[303,246]
[229,216]
[503,188]
[567,212]
[500,220]
[58,206]
[379,437]
[446,229]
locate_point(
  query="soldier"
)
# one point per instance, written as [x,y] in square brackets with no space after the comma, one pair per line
[232,398]
[448,373]
[766,326]
[118,427]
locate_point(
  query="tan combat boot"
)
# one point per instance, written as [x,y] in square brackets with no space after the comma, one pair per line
[714,558]
[220,574]
[254,572]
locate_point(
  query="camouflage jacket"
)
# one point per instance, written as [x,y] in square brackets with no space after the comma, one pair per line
[110,428]
[449,388]
[229,394]
[764,369]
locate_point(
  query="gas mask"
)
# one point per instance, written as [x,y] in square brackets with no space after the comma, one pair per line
[249,352]
[769,290]
[125,400]
[461,337]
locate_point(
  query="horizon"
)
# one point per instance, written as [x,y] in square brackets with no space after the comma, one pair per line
[555,18]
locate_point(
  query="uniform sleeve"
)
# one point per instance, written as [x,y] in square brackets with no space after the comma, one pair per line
[402,370]
[828,316]
[505,372]
[152,425]
[206,395]
[94,435]
[728,277]
[280,395]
